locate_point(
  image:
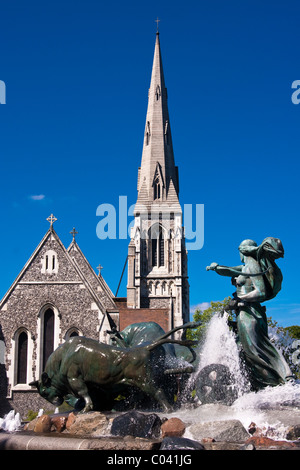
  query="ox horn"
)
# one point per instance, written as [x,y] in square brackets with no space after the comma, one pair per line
[35,383]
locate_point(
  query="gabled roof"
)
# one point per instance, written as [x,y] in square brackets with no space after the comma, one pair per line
[96,283]
[19,277]
[79,269]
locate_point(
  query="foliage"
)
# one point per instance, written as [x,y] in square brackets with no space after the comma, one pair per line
[31,415]
[65,407]
[284,340]
[293,331]
[282,337]
[204,316]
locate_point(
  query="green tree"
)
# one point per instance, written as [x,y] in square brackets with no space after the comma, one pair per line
[284,339]
[204,316]
[293,331]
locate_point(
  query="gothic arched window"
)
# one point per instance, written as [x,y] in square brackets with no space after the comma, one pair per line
[148,133]
[72,332]
[167,132]
[22,358]
[48,336]
[158,248]
[156,188]
[157,93]
[158,183]
[49,263]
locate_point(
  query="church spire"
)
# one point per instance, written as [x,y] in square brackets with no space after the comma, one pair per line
[157,257]
[158,176]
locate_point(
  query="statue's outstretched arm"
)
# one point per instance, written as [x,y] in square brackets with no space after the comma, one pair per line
[225,270]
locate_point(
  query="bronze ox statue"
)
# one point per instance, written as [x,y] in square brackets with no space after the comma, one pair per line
[97,373]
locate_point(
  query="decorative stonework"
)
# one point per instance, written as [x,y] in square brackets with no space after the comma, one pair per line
[49,263]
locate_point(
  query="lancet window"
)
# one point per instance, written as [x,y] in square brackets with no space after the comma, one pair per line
[156,188]
[158,248]
[22,358]
[48,335]
[49,263]
[148,133]
[157,93]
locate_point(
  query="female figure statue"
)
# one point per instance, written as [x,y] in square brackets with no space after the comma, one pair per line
[257,280]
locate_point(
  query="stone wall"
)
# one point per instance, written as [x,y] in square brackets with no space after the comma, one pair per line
[22,402]
[59,283]
[75,310]
[73,302]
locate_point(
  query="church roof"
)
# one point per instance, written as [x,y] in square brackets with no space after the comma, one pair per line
[96,282]
[76,270]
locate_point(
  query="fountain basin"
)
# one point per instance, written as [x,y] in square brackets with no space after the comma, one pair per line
[33,441]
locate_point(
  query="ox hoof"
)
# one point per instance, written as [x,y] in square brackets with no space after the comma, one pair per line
[86,409]
[167,408]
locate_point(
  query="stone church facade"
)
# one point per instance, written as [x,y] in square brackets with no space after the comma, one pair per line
[58,295]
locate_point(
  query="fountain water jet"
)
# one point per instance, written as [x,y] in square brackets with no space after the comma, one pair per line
[11,422]
[273,409]
[220,347]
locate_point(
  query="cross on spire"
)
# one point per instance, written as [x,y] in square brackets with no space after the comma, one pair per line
[73,233]
[99,267]
[157,21]
[51,219]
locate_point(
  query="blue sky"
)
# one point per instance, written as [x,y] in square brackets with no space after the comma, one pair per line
[77,75]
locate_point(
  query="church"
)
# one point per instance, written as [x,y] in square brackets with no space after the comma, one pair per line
[58,295]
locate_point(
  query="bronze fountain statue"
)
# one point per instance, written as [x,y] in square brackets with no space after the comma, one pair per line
[257,280]
[95,374]
[142,359]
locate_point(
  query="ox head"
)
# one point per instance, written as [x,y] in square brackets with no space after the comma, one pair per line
[47,390]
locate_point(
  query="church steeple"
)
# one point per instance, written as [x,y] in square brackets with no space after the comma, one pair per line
[157,257]
[158,175]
